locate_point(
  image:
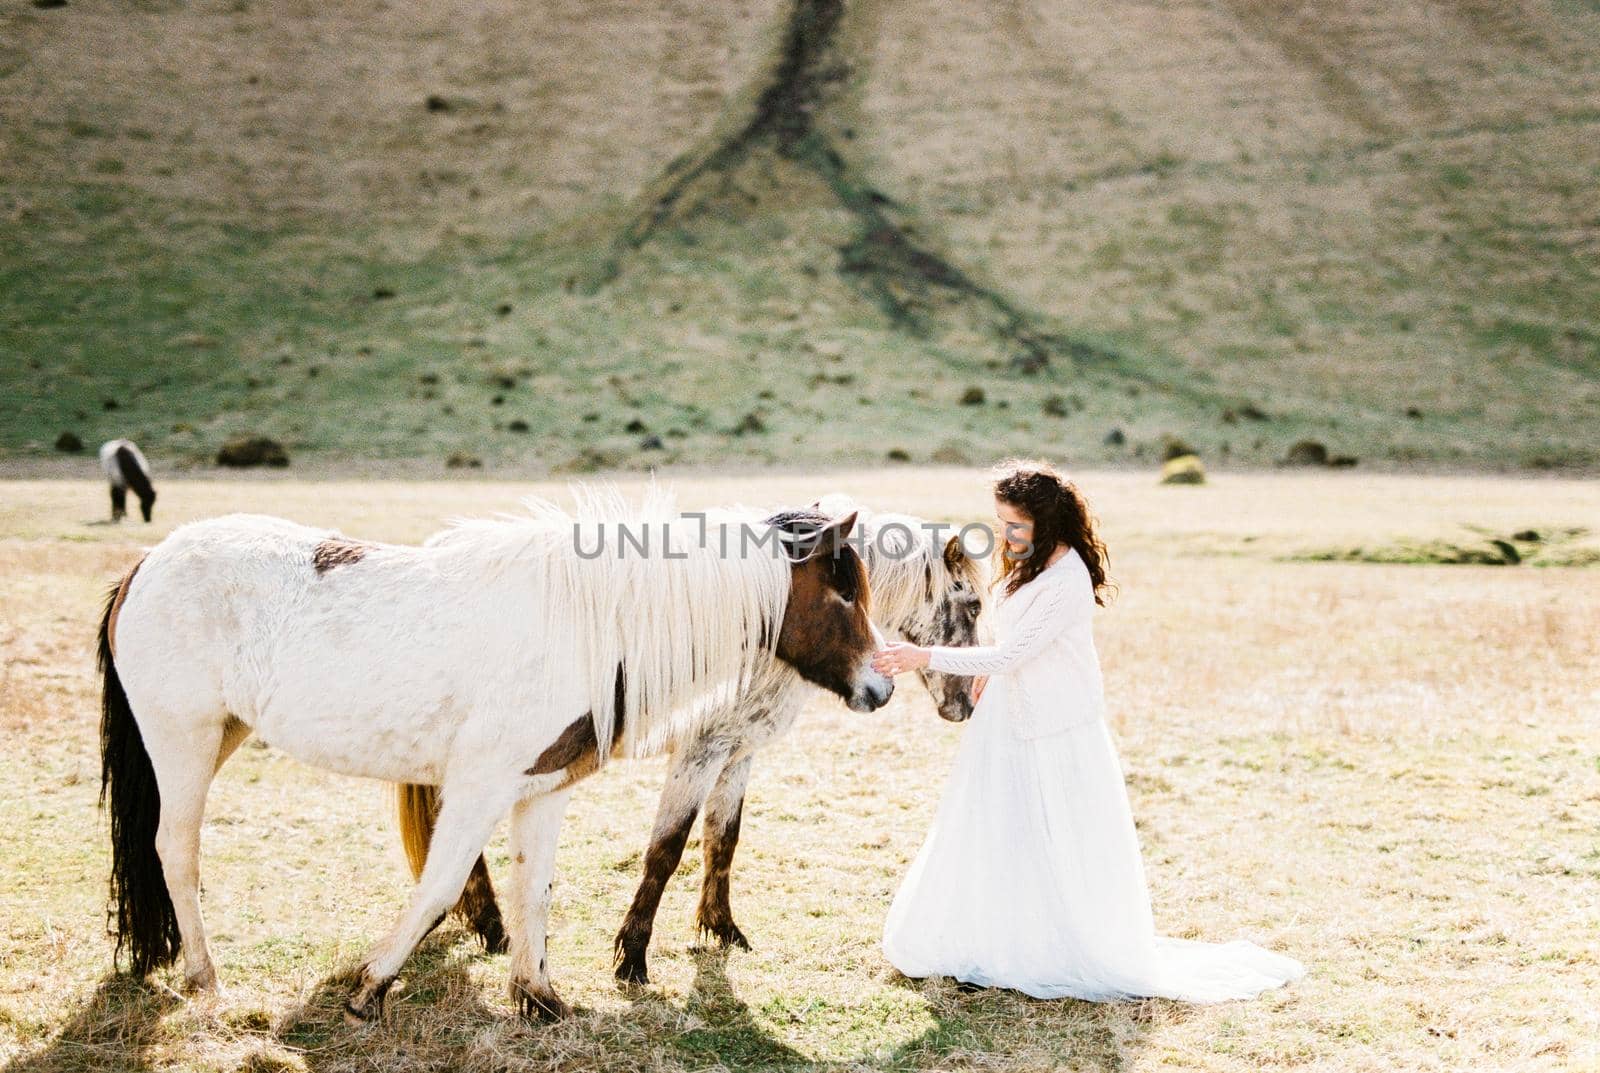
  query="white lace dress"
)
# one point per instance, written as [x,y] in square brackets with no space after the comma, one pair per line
[1031,877]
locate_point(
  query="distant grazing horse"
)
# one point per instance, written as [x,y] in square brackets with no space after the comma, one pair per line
[924,588]
[503,664]
[126,468]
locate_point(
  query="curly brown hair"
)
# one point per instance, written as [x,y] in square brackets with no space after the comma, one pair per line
[1060,515]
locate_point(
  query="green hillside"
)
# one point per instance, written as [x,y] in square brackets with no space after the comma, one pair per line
[579,235]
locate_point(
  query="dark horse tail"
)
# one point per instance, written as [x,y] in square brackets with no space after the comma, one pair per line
[141,915]
[136,477]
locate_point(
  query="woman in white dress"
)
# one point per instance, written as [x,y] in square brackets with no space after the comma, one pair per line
[1030,877]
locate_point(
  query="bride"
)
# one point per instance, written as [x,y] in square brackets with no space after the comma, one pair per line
[1030,877]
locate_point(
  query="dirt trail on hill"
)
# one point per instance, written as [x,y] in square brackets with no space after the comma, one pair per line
[788,129]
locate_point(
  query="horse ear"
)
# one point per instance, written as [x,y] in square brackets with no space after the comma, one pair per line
[845,524]
[954,553]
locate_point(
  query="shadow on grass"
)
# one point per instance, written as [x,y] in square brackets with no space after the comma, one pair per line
[446,1016]
[994,1023]
[111,1030]
[970,1027]
[438,1009]
[732,1036]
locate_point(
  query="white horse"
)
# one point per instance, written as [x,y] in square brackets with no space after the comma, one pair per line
[502,664]
[925,588]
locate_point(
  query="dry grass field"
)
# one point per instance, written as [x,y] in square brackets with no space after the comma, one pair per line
[1388,770]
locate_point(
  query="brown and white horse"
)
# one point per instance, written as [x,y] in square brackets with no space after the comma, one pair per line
[925,589]
[502,664]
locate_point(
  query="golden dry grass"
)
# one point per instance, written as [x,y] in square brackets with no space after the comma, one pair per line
[1389,771]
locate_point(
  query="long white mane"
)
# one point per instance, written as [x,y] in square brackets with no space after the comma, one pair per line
[905,563]
[691,617]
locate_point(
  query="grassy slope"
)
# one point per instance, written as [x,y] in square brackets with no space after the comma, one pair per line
[1334,213]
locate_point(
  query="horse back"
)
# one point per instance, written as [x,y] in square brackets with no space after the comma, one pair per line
[358,656]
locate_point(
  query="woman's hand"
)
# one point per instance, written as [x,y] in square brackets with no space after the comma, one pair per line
[898,656]
[977,687]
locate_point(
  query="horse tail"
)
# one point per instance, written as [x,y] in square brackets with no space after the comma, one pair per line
[141,916]
[136,477]
[418,806]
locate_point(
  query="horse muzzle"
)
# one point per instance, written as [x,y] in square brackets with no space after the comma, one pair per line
[956,706]
[872,691]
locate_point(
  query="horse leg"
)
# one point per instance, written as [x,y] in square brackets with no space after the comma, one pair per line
[417,805]
[184,771]
[535,830]
[465,822]
[694,768]
[719,837]
[477,906]
[119,503]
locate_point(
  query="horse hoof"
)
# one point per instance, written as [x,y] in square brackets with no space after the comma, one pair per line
[493,936]
[541,1004]
[204,981]
[632,970]
[365,1004]
[726,935]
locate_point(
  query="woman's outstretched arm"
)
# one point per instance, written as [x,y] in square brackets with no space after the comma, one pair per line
[1058,604]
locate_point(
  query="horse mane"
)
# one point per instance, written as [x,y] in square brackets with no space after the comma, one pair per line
[662,639]
[903,579]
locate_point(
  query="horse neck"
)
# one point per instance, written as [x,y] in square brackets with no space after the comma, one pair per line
[685,634]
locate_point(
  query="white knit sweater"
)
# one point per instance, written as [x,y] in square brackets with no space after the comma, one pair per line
[1045,650]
